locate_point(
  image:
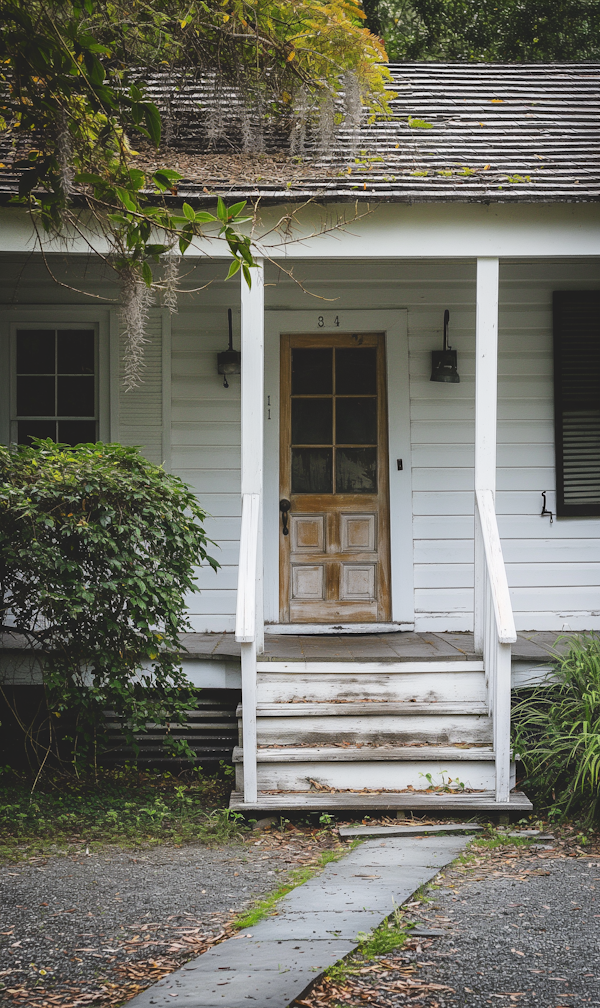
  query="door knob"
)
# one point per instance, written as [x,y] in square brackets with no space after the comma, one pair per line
[284,507]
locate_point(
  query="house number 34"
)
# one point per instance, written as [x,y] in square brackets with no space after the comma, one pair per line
[325,322]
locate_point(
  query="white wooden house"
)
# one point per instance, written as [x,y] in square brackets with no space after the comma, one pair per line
[413,506]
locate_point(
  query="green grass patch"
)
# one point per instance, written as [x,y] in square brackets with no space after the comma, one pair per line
[262,908]
[125,807]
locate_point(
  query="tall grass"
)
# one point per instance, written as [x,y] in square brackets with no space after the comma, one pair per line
[557,733]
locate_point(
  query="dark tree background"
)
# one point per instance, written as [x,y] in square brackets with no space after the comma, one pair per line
[512,31]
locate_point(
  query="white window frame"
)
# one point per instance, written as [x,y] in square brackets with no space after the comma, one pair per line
[53,317]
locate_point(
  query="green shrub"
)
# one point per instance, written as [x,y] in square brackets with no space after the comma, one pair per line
[97,550]
[557,732]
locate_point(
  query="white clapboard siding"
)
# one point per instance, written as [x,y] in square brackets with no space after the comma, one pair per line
[205,438]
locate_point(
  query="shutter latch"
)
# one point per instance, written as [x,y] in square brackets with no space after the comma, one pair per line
[545,510]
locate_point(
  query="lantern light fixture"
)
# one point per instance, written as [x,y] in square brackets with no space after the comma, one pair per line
[444,362]
[229,361]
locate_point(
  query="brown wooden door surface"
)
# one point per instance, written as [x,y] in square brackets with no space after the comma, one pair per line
[334,562]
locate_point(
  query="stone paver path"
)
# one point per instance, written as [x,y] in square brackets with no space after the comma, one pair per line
[316,924]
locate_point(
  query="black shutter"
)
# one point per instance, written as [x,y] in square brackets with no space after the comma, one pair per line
[577,401]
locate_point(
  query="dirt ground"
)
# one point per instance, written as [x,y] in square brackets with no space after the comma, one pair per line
[82,929]
[520,926]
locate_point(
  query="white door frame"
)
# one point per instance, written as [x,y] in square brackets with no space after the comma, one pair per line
[393,323]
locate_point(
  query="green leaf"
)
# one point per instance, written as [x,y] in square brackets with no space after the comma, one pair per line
[189,212]
[247,275]
[126,198]
[222,212]
[89,179]
[153,124]
[233,269]
[204,217]
[236,209]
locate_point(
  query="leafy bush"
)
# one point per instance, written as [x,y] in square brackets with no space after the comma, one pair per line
[557,732]
[97,551]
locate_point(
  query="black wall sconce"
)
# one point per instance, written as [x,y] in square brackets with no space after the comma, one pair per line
[229,361]
[444,362]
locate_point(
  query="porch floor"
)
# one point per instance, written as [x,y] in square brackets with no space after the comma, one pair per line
[390,647]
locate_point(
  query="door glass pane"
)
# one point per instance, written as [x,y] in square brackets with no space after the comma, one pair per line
[74,432]
[312,421]
[356,371]
[35,396]
[35,352]
[75,397]
[312,470]
[75,351]
[356,470]
[312,371]
[36,428]
[356,421]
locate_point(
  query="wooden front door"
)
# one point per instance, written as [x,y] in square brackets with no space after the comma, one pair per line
[334,510]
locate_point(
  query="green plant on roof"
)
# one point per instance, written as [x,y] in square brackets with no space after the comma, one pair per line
[419,123]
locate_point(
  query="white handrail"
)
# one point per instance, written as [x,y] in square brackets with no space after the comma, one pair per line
[498,635]
[245,616]
[496,571]
[245,633]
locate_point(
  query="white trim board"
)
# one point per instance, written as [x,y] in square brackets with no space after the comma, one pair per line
[393,323]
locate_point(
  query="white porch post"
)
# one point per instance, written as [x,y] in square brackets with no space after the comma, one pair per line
[252,412]
[486,397]
[497,654]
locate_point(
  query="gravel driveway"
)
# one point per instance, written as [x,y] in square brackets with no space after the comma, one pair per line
[86,929]
[523,928]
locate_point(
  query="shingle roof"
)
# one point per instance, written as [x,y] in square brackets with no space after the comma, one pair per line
[498,133]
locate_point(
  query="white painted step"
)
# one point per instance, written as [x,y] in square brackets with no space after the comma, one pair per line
[365,754]
[371,775]
[367,707]
[407,682]
[319,801]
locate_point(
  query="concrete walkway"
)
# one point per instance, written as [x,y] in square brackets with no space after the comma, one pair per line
[316,925]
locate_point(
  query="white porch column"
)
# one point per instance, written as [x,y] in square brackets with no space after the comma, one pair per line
[252,420]
[486,399]
[252,413]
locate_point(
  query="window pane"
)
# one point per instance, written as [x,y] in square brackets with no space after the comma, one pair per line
[356,371]
[312,470]
[35,352]
[75,351]
[311,372]
[312,421]
[74,432]
[356,421]
[36,428]
[356,470]
[75,397]
[35,396]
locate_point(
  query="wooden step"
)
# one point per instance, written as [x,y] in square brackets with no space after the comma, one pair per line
[365,754]
[319,801]
[345,667]
[389,708]
[422,686]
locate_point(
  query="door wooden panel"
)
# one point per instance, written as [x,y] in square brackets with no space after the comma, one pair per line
[334,471]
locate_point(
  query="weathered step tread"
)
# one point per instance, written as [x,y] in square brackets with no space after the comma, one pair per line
[394,666]
[342,754]
[389,707]
[316,801]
